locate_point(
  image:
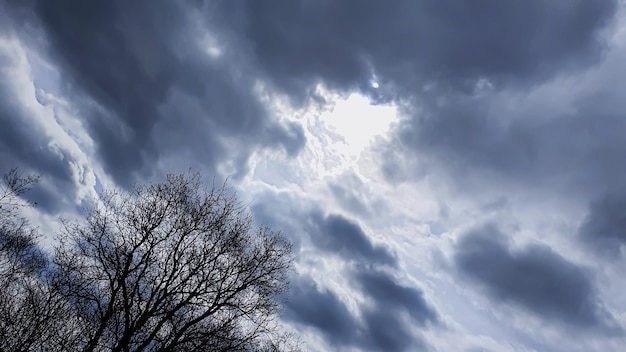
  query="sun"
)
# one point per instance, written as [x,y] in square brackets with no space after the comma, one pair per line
[339,129]
[358,122]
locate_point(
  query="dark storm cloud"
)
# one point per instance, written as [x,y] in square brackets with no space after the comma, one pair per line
[139,79]
[468,137]
[394,298]
[331,233]
[26,146]
[453,59]
[391,311]
[101,64]
[535,278]
[383,318]
[412,43]
[440,54]
[604,228]
[335,233]
[380,327]
[322,310]
[385,332]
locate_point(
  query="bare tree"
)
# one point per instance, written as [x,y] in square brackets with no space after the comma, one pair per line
[18,250]
[33,316]
[172,266]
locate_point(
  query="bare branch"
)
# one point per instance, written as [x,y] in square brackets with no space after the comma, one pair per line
[173,266]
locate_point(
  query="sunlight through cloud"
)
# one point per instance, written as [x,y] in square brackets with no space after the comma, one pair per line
[358,122]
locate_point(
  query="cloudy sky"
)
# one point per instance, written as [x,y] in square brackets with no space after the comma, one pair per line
[453,173]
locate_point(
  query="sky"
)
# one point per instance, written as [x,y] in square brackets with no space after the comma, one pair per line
[452,173]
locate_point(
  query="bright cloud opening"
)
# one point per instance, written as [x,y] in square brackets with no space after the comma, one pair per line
[358,122]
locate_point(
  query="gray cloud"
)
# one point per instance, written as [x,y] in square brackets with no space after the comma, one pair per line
[535,278]
[331,233]
[412,43]
[442,55]
[604,228]
[26,146]
[322,310]
[436,52]
[380,326]
[387,319]
[335,233]
[387,330]
[283,211]
[138,77]
[473,138]
[348,200]
[145,89]
[394,298]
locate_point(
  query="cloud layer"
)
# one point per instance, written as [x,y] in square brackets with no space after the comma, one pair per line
[486,214]
[535,278]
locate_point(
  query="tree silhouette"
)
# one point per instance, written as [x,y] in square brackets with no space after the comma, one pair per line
[170,266]
[33,316]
